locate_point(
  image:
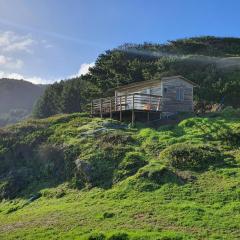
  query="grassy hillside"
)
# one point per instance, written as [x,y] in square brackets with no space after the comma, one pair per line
[17,98]
[73,177]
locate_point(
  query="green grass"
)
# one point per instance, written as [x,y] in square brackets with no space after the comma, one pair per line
[152,201]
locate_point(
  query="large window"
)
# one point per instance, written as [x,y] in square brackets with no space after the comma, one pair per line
[180,94]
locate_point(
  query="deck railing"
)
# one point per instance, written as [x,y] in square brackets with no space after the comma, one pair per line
[135,101]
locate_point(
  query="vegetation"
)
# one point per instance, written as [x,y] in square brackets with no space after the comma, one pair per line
[17,98]
[75,177]
[211,62]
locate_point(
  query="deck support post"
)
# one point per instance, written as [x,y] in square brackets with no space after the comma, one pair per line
[149,108]
[133,114]
[148,116]
[120,109]
[101,114]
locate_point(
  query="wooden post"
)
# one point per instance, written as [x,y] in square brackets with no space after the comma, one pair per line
[92,108]
[101,114]
[110,107]
[120,108]
[149,108]
[133,115]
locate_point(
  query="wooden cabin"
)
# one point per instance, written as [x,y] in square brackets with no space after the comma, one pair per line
[168,95]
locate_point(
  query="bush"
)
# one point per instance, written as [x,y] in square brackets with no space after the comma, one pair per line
[97,236]
[191,157]
[230,112]
[119,236]
[15,182]
[51,158]
[231,137]
[159,174]
[130,165]
[108,215]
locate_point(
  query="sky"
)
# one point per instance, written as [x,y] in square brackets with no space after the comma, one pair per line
[44,41]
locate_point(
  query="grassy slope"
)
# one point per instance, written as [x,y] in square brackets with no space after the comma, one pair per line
[207,207]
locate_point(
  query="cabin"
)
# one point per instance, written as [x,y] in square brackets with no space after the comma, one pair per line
[147,100]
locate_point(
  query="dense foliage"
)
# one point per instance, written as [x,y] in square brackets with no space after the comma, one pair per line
[75,177]
[211,62]
[194,157]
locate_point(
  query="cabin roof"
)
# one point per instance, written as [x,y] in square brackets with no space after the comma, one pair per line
[152,82]
[181,77]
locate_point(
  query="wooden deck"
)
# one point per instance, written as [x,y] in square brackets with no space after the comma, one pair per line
[133,103]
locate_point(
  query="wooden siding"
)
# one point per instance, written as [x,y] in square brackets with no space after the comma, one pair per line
[170,102]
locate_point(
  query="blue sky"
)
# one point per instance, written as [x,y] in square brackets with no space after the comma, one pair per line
[47,40]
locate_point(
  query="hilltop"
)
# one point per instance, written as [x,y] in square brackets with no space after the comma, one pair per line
[75,177]
[211,62]
[17,98]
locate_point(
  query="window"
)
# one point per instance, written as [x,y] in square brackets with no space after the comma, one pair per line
[180,94]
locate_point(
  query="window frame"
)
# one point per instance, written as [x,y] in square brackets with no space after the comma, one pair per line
[180,94]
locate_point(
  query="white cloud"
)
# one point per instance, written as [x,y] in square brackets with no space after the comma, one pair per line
[3,60]
[84,69]
[9,63]
[11,42]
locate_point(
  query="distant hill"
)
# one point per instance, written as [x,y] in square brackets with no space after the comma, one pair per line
[17,98]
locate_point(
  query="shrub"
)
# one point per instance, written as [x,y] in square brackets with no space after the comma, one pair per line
[130,165]
[191,157]
[51,158]
[14,182]
[97,236]
[159,174]
[108,215]
[230,112]
[231,137]
[119,236]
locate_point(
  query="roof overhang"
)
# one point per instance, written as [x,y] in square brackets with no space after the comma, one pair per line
[152,82]
[137,84]
[181,77]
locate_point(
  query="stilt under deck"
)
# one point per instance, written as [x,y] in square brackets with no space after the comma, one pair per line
[130,107]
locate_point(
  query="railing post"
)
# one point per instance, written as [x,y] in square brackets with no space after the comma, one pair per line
[120,108]
[133,114]
[101,114]
[110,107]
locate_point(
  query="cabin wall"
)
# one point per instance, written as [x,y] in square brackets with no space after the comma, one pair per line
[171,93]
[169,89]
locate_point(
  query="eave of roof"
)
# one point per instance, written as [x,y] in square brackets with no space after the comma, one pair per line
[181,77]
[136,84]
